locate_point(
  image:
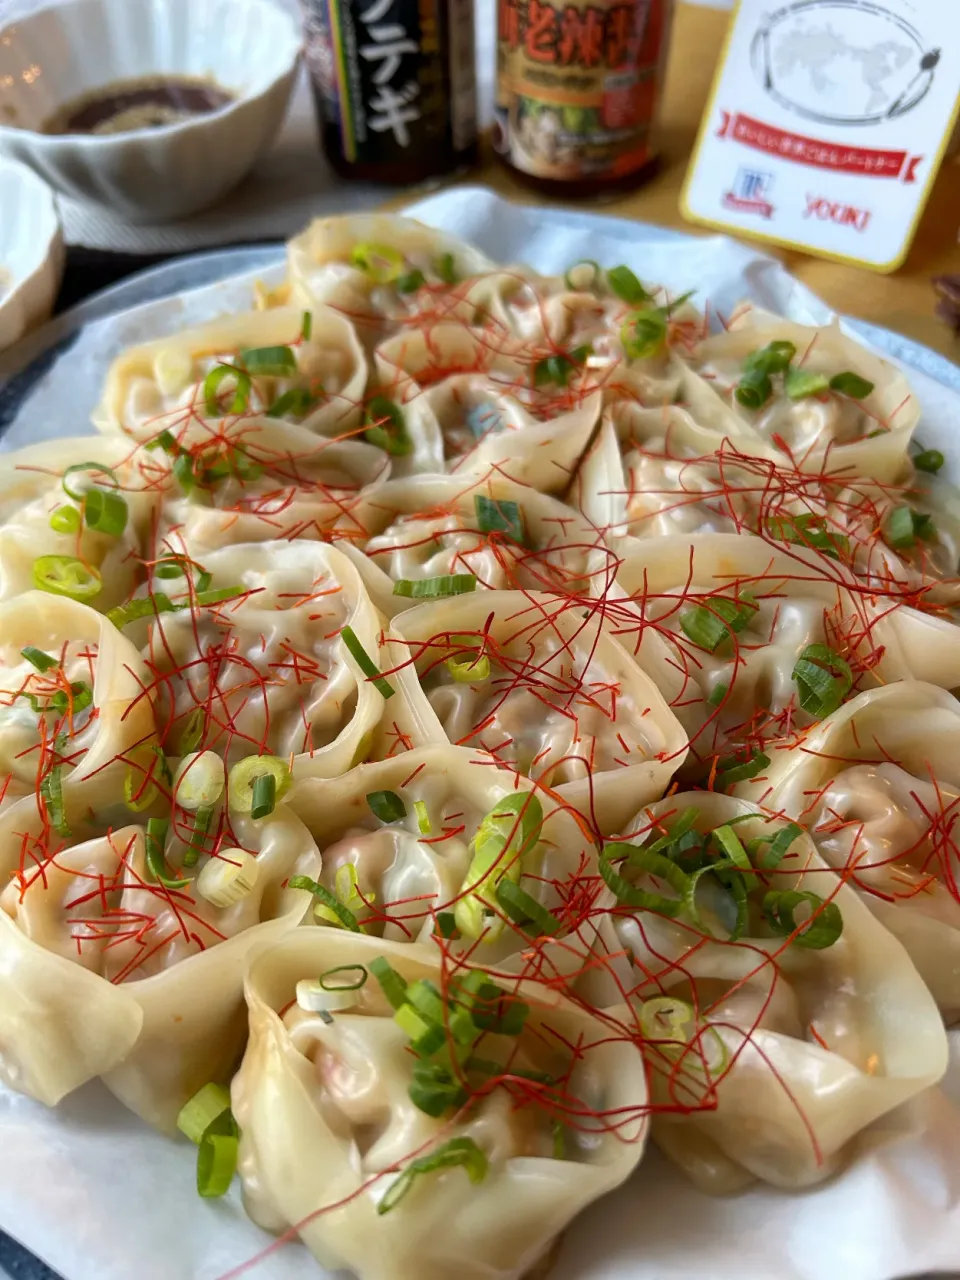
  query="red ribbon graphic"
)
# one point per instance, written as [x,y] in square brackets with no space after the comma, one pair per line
[868,161]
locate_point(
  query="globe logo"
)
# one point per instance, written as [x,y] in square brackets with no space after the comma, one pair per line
[845,62]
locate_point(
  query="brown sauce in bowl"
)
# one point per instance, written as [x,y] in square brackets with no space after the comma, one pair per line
[150,102]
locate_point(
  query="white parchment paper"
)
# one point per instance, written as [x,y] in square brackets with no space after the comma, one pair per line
[100,1197]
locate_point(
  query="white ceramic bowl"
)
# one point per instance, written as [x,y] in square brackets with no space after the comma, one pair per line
[53,56]
[31,251]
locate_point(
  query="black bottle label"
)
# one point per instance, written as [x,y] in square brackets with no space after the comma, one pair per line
[395,77]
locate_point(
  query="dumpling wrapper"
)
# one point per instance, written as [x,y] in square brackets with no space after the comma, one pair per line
[31,490]
[159,386]
[428,526]
[73,1010]
[273,673]
[877,785]
[831,432]
[405,876]
[300,1155]
[301,485]
[563,703]
[817,1044]
[322,269]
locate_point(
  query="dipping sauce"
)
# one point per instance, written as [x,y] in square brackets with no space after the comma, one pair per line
[149,102]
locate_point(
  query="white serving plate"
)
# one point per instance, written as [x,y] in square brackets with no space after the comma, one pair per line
[894,1213]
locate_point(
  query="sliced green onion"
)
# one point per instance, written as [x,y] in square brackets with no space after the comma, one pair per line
[184,472]
[449,584]
[328,900]
[78,699]
[163,766]
[770,858]
[200,780]
[393,984]
[821,931]
[424,825]
[852,385]
[386,805]
[676,831]
[207,1105]
[386,427]
[381,262]
[410,281]
[193,732]
[211,390]
[730,843]
[708,625]
[498,1012]
[166,442]
[105,512]
[447,924]
[264,796]
[808,530]
[929,460]
[627,894]
[434,1090]
[37,658]
[216,1164]
[446,269]
[559,367]
[731,769]
[146,607]
[823,680]
[524,910]
[903,526]
[718,693]
[625,285]
[139,792]
[357,979]
[469,670]
[77,495]
[156,837]
[306,327]
[245,789]
[799,384]
[583,275]
[365,662]
[494,516]
[754,389]
[269,362]
[51,789]
[559,1141]
[195,842]
[296,402]
[203,584]
[66,576]
[665,1019]
[677,303]
[65,520]
[171,567]
[509,832]
[775,357]
[462,1153]
[645,335]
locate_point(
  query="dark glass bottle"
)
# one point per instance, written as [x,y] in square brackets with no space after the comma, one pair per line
[395,86]
[578,88]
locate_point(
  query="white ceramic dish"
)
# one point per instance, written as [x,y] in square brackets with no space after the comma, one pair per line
[53,56]
[31,251]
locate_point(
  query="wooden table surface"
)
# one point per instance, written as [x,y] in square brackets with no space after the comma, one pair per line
[903,301]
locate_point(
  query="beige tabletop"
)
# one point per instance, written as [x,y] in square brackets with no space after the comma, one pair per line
[903,301]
